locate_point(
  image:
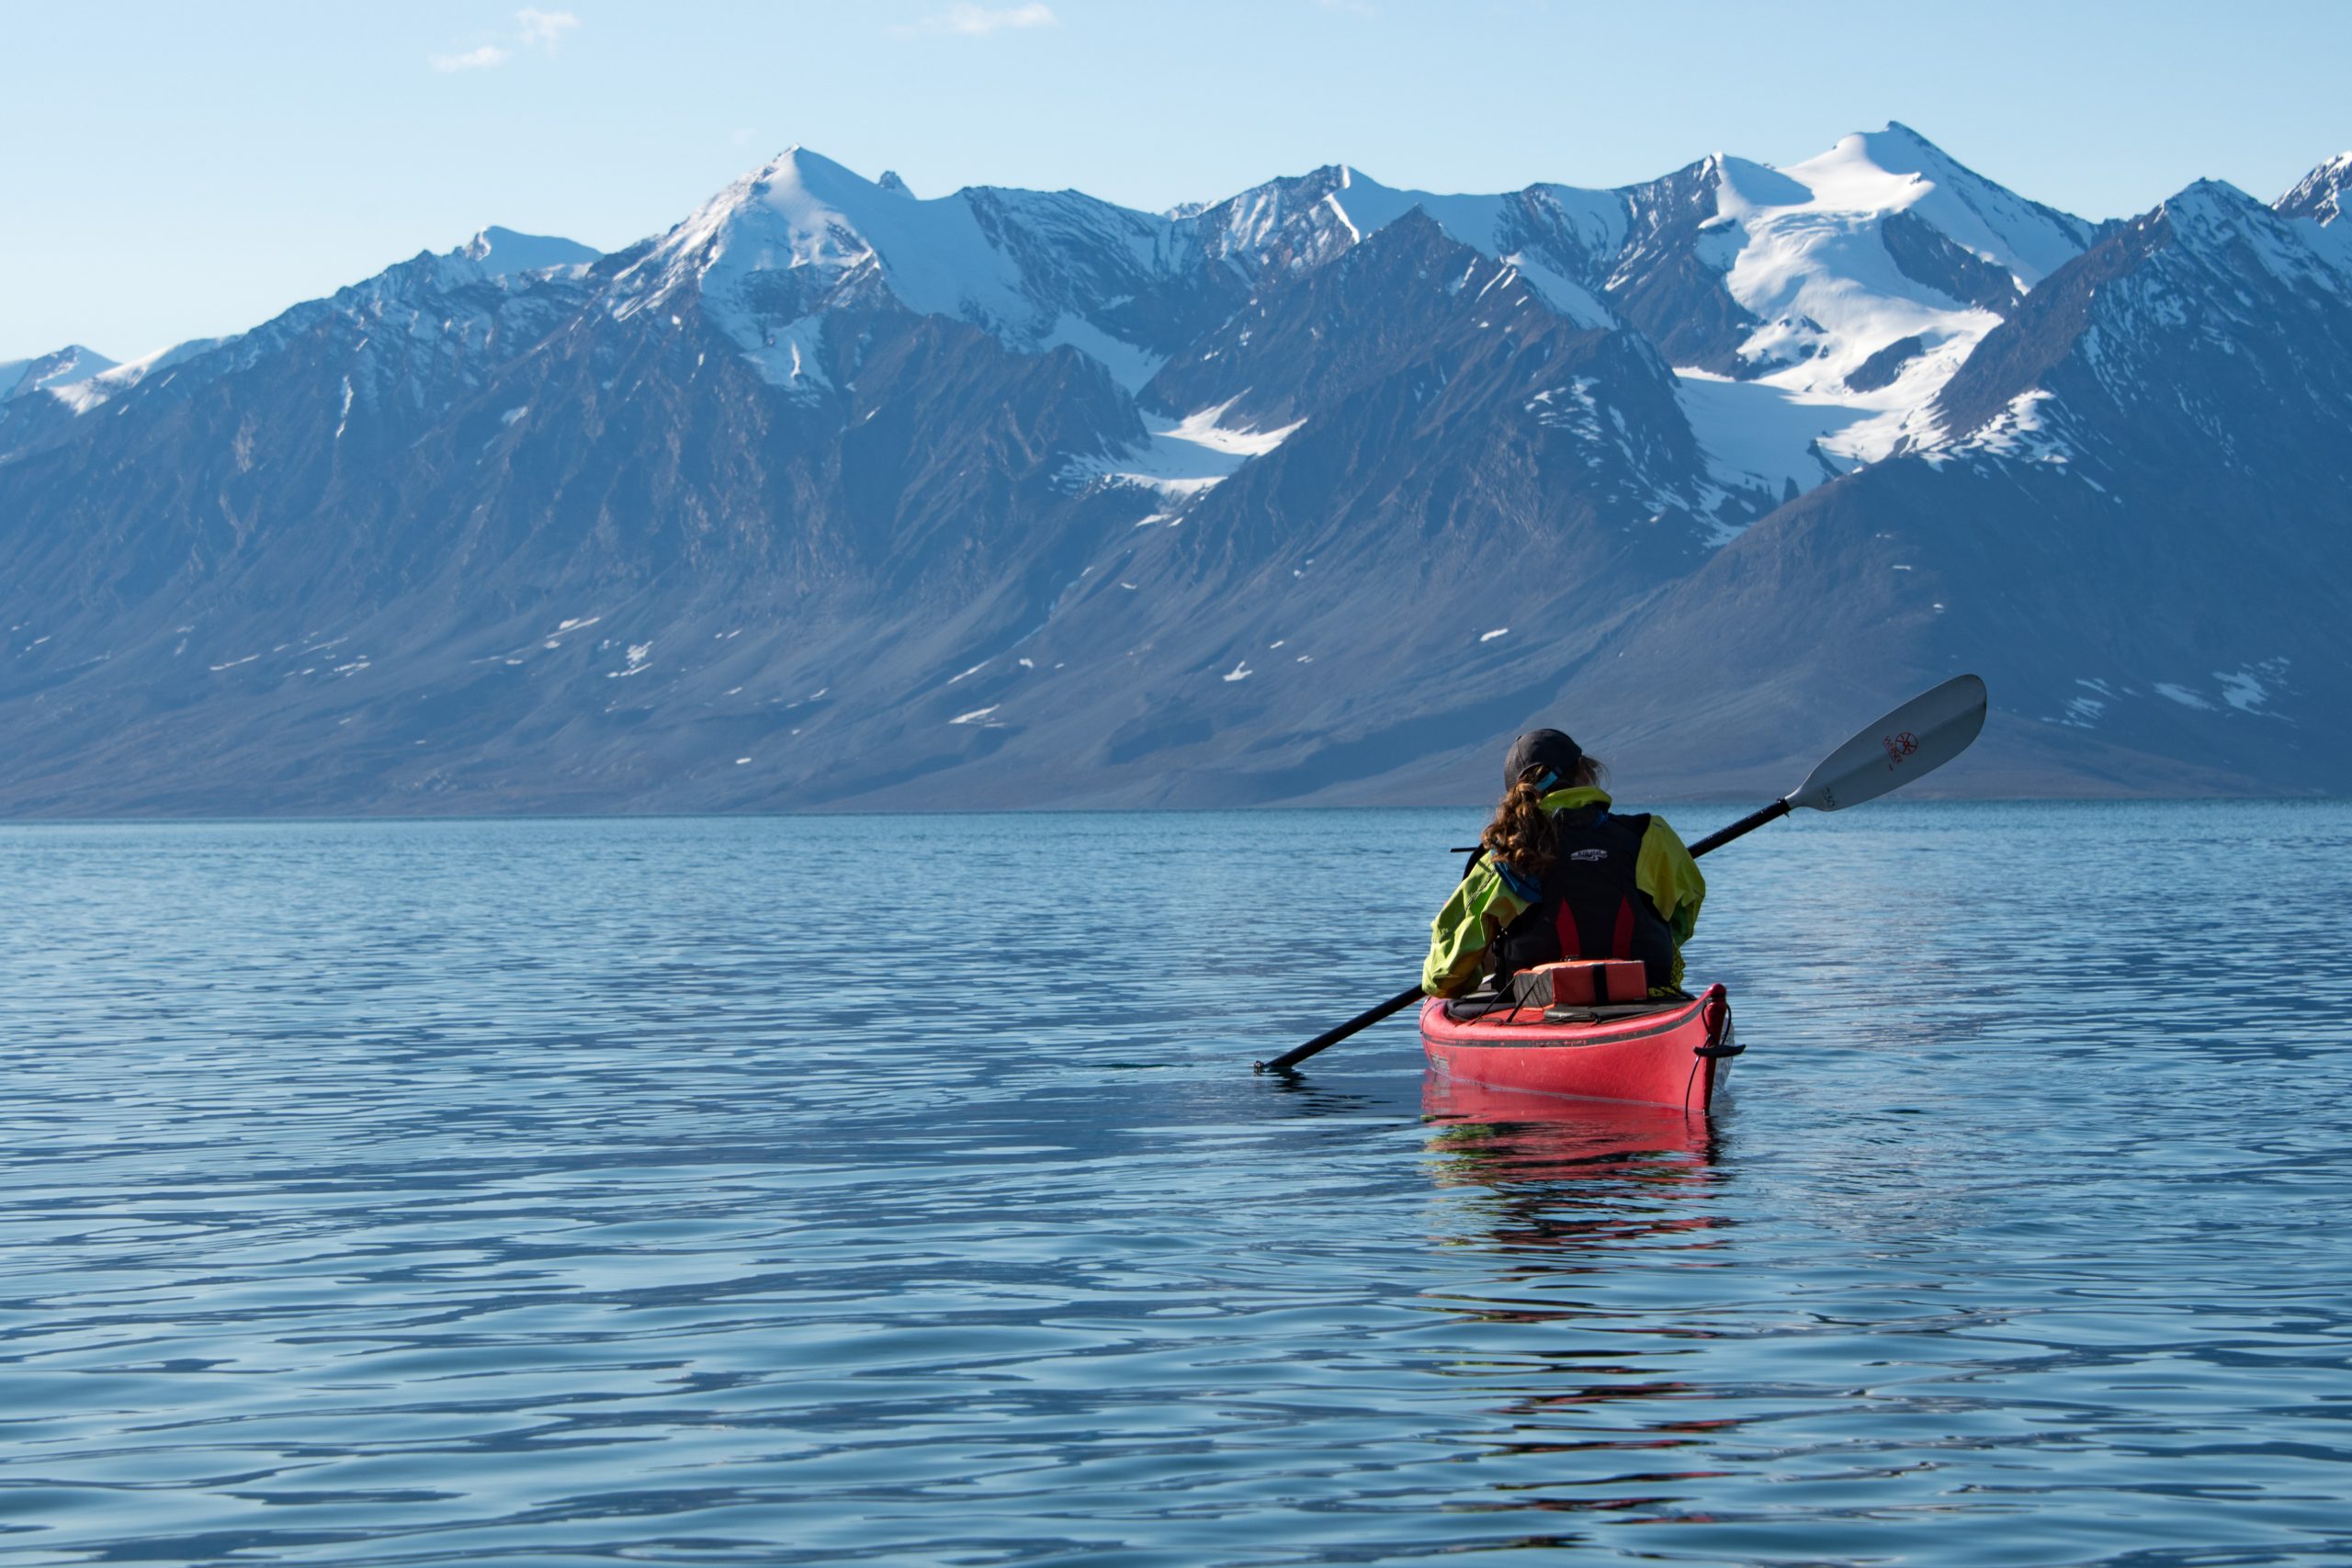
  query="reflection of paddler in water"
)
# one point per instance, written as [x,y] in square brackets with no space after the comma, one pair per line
[1574,1176]
[1558,1187]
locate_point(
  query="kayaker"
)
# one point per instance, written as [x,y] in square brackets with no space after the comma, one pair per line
[1565,875]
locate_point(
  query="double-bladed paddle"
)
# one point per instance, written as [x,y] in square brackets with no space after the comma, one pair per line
[1917,737]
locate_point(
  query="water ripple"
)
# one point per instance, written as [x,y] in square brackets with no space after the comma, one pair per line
[836,1191]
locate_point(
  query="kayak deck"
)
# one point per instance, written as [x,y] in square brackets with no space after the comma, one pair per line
[1673,1053]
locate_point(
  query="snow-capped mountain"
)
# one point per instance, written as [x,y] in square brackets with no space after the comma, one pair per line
[37,394]
[67,365]
[1558,237]
[2319,196]
[833,493]
[1813,313]
[1816,310]
[2130,514]
[411,296]
[768,257]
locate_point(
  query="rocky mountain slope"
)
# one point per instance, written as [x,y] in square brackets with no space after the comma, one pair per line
[832,495]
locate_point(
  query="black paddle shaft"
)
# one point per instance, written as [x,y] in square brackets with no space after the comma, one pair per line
[1396,1003]
[1403,1000]
[1747,824]
[1291,1058]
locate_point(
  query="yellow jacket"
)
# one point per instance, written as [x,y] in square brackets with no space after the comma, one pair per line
[1494,895]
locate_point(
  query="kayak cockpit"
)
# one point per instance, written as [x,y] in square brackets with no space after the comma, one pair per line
[1478,1006]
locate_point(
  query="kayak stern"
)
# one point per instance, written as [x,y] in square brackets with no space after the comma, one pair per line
[1679,1054]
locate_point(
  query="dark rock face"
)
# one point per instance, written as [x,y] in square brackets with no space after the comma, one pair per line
[2108,626]
[1283,227]
[1451,469]
[2211,339]
[1880,369]
[2045,329]
[1925,256]
[1311,496]
[1664,284]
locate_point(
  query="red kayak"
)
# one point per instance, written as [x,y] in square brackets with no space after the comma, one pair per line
[1672,1053]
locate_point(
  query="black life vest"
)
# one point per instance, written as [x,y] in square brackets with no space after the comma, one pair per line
[1590,907]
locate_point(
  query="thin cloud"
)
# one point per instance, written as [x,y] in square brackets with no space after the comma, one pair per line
[534,29]
[544,30]
[978,21]
[483,59]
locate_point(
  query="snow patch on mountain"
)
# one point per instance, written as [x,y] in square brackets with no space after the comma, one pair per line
[1181,458]
[1563,294]
[1758,435]
[1129,365]
[788,358]
[2032,429]
[2246,688]
[51,372]
[502,252]
[2182,695]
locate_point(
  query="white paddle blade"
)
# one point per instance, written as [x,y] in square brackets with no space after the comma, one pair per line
[1917,737]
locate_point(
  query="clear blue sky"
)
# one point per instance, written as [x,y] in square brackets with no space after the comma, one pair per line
[172,170]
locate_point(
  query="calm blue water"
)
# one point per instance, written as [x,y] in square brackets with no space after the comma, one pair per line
[897,1190]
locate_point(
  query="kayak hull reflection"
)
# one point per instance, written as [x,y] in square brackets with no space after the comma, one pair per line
[1487,1133]
[1678,1055]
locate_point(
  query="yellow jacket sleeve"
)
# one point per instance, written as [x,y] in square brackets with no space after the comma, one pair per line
[1664,871]
[1481,907]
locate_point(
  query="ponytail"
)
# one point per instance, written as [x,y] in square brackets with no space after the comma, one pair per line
[1521,835]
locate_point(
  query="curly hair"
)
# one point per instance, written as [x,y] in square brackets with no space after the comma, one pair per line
[1521,835]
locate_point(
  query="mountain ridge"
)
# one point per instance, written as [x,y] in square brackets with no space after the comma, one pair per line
[831,496]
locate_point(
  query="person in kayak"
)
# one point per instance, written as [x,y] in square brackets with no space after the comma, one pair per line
[1564,875]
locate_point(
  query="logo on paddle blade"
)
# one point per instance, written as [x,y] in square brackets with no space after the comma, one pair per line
[1899,746]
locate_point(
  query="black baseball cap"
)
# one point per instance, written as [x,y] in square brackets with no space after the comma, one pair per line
[1547,749]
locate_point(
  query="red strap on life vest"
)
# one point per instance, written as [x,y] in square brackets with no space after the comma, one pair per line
[1565,922]
[1623,947]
